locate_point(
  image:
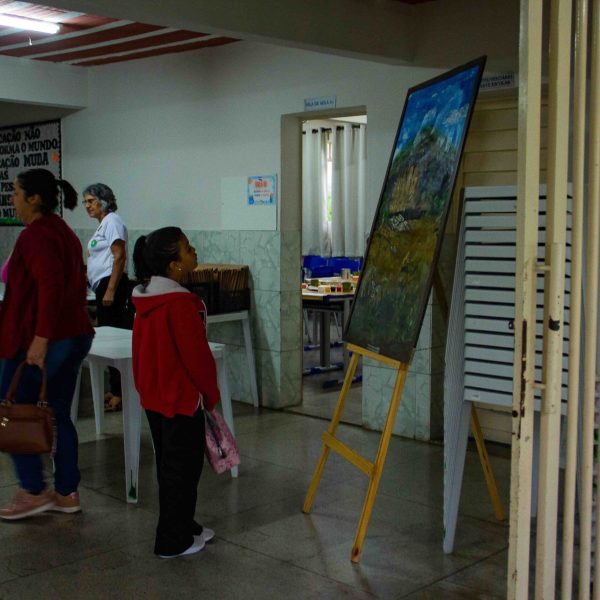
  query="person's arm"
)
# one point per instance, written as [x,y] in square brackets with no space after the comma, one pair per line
[44,261]
[119,258]
[194,352]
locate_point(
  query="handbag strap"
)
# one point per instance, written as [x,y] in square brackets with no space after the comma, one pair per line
[12,388]
[213,428]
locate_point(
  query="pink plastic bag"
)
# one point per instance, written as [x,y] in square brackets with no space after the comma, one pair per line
[221,448]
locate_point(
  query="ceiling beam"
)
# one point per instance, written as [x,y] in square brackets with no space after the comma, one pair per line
[370,29]
[439,33]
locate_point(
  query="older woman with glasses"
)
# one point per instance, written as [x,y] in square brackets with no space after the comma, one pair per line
[106,271]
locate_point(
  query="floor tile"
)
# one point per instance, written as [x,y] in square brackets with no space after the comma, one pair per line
[266,547]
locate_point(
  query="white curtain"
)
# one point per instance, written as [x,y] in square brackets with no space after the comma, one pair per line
[315,226]
[349,190]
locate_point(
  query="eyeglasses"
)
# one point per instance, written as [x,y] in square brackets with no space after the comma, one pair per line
[87,202]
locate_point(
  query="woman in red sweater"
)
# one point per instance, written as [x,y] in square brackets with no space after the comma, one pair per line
[175,375]
[44,321]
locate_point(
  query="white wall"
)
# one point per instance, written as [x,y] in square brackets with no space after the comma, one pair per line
[163,132]
[40,82]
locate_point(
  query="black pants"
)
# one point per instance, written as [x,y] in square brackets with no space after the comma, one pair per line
[179,450]
[115,315]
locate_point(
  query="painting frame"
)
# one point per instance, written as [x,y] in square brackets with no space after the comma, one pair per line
[389,305]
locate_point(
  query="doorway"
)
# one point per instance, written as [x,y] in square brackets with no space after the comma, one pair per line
[322,260]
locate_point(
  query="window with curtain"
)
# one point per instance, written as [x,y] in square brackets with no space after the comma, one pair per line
[334,190]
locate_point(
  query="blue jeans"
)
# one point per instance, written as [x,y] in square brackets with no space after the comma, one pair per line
[63,361]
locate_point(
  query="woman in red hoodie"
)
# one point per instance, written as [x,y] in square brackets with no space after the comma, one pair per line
[175,375]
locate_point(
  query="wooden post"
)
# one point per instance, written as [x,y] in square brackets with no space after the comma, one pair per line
[552,356]
[592,266]
[581,28]
[530,72]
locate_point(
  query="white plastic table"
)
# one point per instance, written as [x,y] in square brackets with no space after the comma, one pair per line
[112,347]
[244,317]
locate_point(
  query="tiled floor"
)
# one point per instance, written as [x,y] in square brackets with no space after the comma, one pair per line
[320,392]
[265,546]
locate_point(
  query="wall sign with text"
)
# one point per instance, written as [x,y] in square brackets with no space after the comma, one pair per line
[23,147]
[262,190]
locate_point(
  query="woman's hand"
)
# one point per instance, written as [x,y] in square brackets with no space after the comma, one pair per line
[108,298]
[36,354]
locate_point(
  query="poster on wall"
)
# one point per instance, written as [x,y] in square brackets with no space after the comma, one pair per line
[409,223]
[262,190]
[22,147]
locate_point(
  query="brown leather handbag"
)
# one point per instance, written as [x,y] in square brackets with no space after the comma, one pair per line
[26,428]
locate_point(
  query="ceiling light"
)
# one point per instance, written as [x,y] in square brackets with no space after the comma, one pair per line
[28,24]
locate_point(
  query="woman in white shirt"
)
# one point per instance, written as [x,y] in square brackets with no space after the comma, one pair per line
[106,265]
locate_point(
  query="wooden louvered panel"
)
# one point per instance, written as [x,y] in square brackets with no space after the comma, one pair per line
[488,385]
[491,205]
[502,221]
[496,340]
[502,355]
[496,161]
[500,178]
[488,160]
[505,296]
[494,119]
[503,311]
[487,272]
[499,236]
[504,251]
[496,282]
[496,398]
[494,371]
[491,141]
[491,116]
[478,338]
[490,265]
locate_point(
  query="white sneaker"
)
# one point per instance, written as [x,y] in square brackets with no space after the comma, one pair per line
[195,547]
[206,536]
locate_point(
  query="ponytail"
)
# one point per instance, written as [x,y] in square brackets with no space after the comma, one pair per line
[69,194]
[43,183]
[152,254]
[140,268]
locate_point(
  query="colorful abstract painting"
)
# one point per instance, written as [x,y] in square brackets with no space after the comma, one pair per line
[411,216]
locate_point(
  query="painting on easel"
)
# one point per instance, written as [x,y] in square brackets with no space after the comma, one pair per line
[409,224]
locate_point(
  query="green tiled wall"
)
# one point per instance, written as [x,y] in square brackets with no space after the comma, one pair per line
[275,309]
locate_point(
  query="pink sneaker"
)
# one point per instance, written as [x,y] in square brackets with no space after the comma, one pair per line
[66,504]
[25,504]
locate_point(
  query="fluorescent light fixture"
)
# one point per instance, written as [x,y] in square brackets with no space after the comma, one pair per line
[28,24]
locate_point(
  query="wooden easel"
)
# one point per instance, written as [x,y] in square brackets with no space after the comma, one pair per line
[330,442]
[374,469]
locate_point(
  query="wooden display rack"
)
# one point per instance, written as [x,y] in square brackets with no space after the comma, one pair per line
[374,469]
